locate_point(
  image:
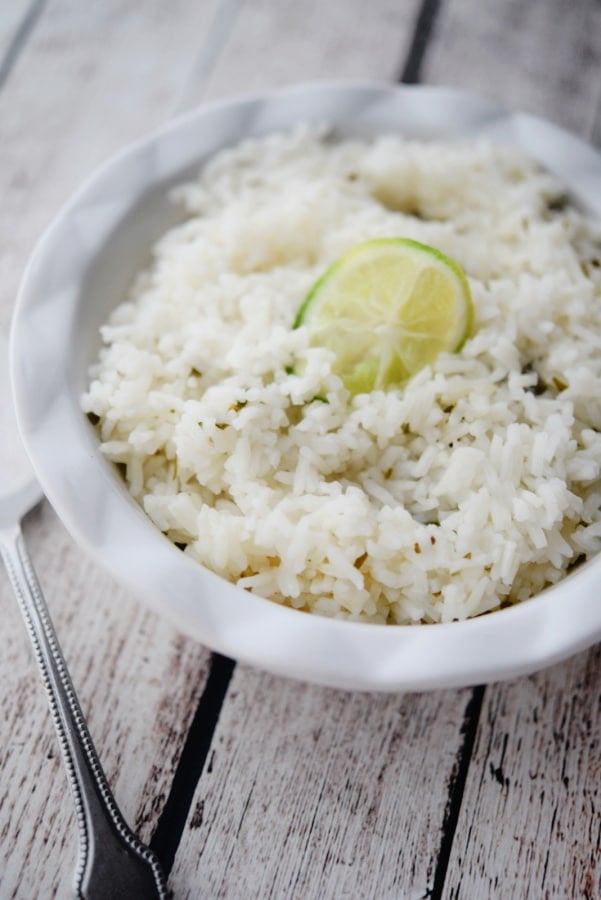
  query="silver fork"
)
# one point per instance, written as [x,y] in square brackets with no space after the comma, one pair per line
[112,861]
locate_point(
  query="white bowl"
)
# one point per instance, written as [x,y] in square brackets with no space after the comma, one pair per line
[81,269]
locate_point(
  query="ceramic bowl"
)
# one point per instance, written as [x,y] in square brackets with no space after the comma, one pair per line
[81,270]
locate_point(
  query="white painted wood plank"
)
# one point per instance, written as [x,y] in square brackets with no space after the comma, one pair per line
[271,816]
[540,57]
[310,792]
[139,683]
[267,727]
[530,821]
[91,77]
[274,44]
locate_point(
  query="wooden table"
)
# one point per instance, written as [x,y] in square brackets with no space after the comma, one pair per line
[247,785]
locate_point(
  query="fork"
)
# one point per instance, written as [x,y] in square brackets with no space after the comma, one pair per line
[112,861]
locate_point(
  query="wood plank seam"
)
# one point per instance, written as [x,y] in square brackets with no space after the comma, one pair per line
[457,782]
[168,833]
[172,820]
[411,74]
[422,35]
[21,37]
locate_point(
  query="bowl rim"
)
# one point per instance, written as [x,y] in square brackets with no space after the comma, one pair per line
[562,620]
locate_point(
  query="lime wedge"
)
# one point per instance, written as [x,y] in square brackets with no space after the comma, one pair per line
[386,309]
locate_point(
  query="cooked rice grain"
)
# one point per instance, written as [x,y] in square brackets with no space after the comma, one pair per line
[476,484]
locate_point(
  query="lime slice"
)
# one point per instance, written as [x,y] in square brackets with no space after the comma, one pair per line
[386,309]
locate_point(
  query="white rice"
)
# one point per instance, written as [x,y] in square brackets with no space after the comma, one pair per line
[474,485]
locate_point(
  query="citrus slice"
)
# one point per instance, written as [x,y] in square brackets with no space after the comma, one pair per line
[386,309]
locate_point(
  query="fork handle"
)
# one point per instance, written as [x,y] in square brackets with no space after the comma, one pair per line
[112,861]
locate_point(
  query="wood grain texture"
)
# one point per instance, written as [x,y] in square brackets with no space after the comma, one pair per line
[90,78]
[530,823]
[544,58]
[110,72]
[306,792]
[273,44]
[139,683]
[310,792]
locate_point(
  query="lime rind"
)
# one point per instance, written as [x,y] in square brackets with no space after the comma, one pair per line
[396,347]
